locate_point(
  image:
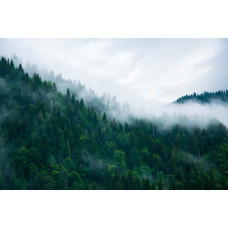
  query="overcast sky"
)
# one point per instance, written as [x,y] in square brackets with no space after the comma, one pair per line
[137,70]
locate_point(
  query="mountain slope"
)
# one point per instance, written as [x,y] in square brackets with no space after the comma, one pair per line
[105,103]
[53,141]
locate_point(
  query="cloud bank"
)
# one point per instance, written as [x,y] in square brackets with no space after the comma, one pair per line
[133,69]
[190,114]
[148,73]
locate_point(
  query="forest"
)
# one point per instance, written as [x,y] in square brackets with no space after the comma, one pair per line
[50,140]
[205,98]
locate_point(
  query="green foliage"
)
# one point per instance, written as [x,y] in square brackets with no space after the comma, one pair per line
[53,141]
[120,159]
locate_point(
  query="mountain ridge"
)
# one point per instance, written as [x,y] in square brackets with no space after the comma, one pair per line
[205,98]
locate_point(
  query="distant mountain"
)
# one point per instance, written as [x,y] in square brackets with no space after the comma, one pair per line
[206,97]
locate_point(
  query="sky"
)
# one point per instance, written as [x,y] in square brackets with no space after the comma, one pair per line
[135,70]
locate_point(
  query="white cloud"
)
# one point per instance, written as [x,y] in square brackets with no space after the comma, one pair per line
[138,70]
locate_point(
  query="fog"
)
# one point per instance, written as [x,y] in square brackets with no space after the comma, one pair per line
[190,114]
[147,74]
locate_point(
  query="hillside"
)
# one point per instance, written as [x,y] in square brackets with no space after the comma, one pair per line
[104,103]
[205,98]
[50,140]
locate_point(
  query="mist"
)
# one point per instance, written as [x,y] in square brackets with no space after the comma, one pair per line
[190,114]
[132,78]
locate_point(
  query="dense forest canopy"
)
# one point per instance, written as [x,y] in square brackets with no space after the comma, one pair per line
[51,140]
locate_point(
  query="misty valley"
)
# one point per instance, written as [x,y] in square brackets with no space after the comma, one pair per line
[56,134]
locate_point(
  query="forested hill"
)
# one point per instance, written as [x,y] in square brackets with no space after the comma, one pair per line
[205,97]
[104,103]
[50,140]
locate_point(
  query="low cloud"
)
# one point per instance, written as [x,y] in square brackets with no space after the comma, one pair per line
[147,73]
[189,114]
[132,69]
